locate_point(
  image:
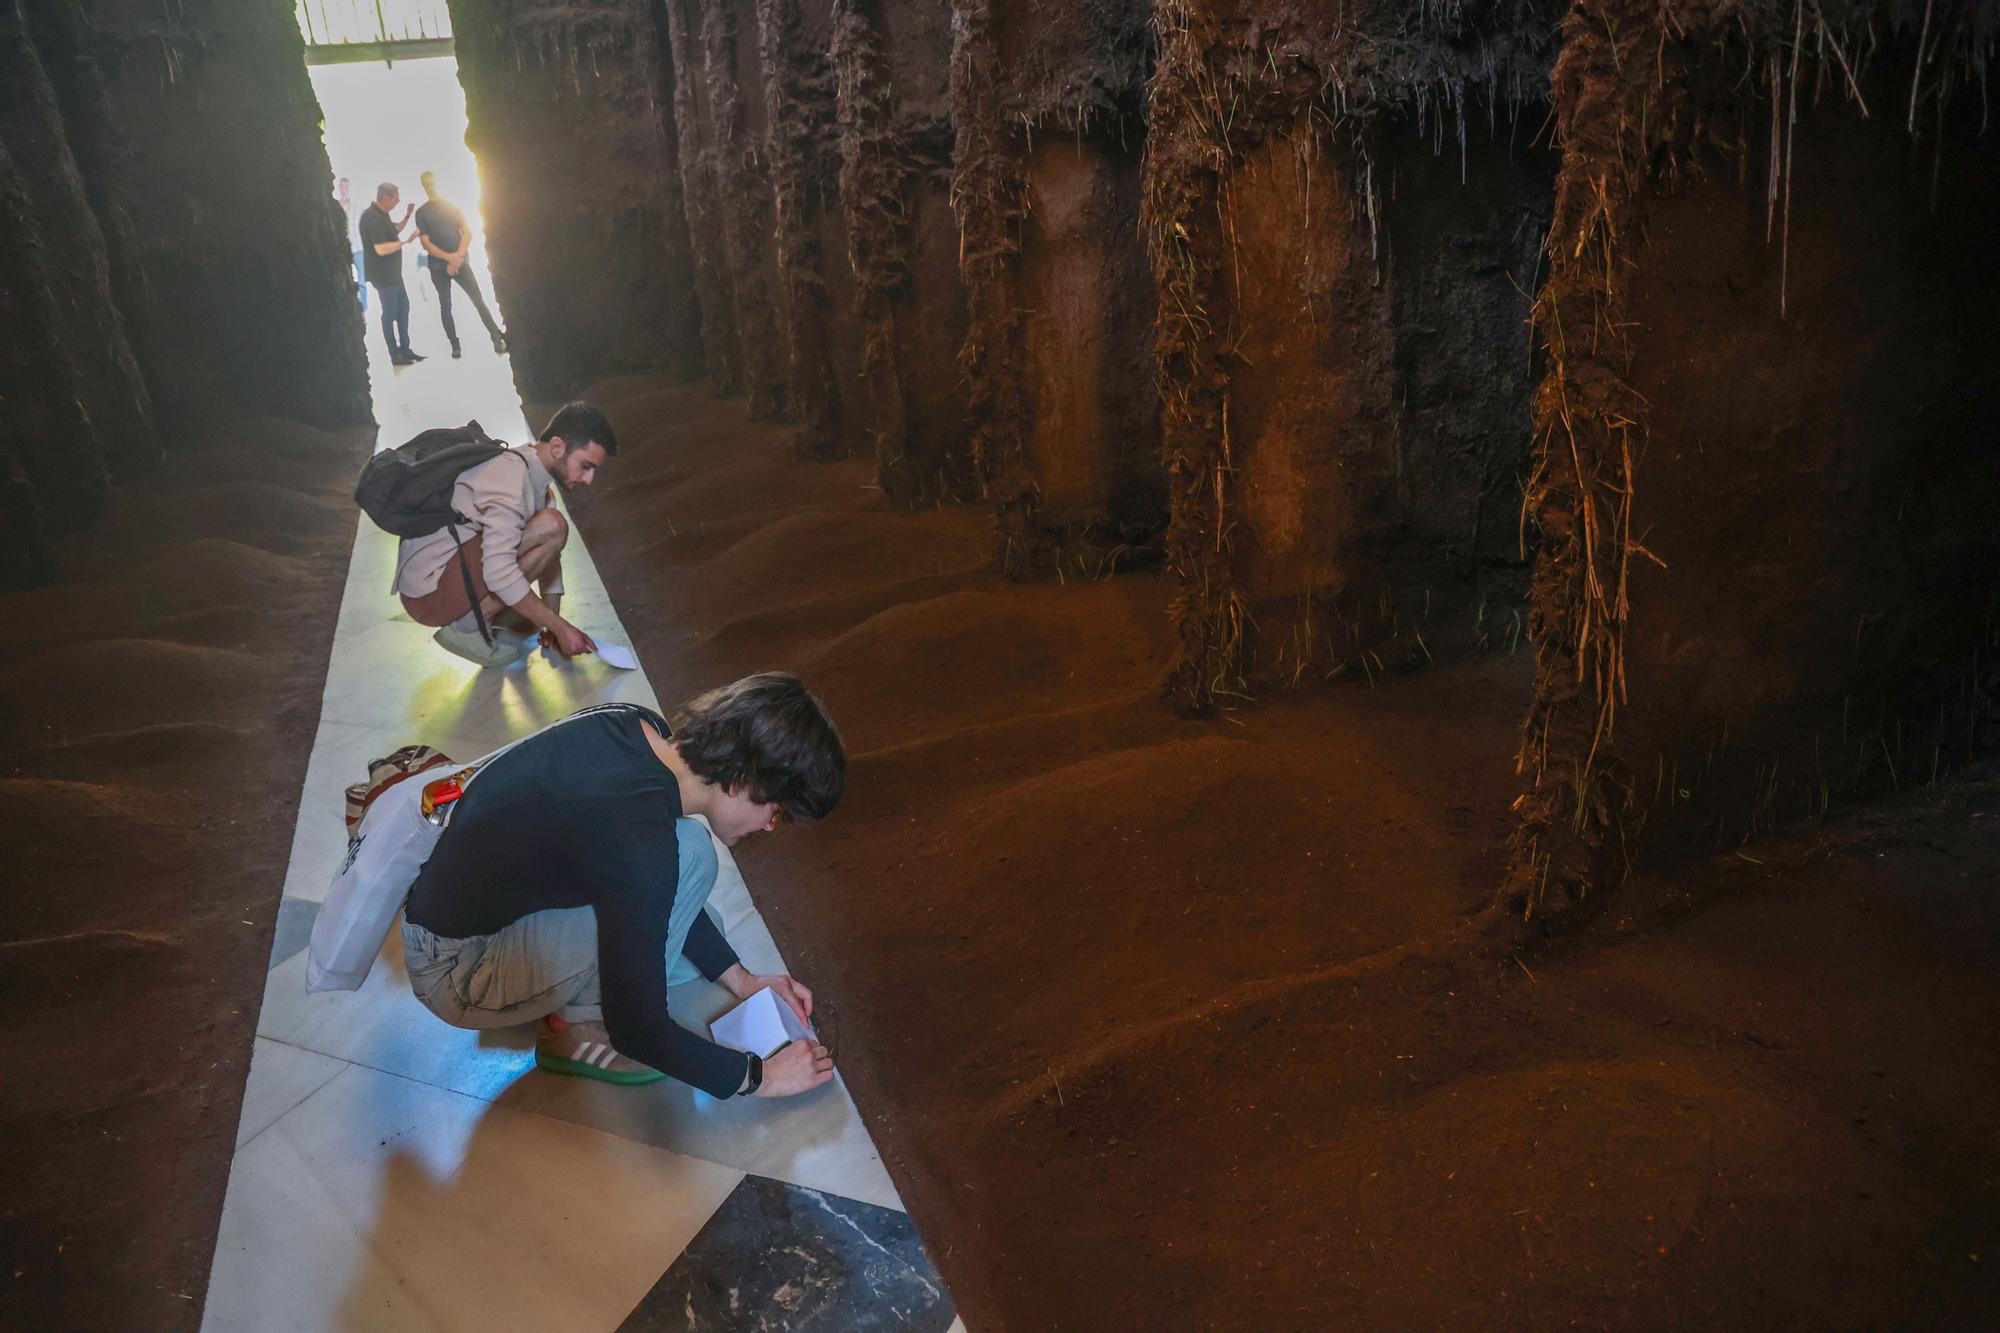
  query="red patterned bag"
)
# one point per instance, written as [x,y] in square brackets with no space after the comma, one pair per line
[385,773]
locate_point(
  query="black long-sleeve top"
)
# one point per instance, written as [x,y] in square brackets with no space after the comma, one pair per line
[584,816]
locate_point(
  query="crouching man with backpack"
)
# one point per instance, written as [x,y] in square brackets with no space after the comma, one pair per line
[504,538]
[569,882]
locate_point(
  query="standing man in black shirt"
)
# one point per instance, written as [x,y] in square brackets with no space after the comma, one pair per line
[570,884]
[446,239]
[382,245]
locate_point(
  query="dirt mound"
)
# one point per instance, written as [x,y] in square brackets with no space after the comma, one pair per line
[111,685]
[80,835]
[651,419]
[270,437]
[1614,1190]
[622,391]
[982,656]
[147,818]
[759,486]
[282,457]
[31,802]
[704,443]
[164,751]
[784,637]
[805,557]
[1197,991]
[1197,861]
[215,626]
[112,593]
[1730,1121]
[261,514]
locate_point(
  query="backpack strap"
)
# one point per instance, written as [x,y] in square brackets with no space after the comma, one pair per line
[465,570]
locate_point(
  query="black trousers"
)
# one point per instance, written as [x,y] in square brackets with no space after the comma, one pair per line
[443,282]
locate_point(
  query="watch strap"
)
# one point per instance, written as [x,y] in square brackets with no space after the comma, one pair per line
[756,1078]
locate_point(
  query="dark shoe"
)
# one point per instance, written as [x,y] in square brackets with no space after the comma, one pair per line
[395,360]
[414,356]
[499,344]
[455,352]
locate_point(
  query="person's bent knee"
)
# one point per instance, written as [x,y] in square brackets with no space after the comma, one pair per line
[545,527]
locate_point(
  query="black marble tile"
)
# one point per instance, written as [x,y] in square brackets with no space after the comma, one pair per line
[295,927]
[778,1257]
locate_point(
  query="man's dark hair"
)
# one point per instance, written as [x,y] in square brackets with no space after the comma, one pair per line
[578,424]
[768,733]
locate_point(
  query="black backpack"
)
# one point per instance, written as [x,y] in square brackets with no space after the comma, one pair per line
[407,490]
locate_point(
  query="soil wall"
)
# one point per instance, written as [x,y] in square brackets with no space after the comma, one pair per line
[219,126]
[892,63]
[45,490]
[1093,413]
[1764,471]
[1342,365]
[808,244]
[734,70]
[141,307]
[1818,487]
[712,279]
[109,387]
[1048,108]
[569,110]
[720,118]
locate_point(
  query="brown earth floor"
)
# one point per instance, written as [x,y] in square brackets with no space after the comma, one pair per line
[1168,1024]
[157,707]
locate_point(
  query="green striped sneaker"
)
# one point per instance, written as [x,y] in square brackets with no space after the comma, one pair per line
[584,1049]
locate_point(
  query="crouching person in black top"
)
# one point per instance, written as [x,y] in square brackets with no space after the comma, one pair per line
[569,885]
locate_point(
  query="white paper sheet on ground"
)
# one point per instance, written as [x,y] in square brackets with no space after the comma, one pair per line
[761,1024]
[618,655]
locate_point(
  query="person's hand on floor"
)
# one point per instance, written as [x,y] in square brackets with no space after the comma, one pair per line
[798,1066]
[568,640]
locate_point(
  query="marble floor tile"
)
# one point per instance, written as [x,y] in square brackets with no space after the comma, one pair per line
[295,923]
[281,1077]
[384,1203]
[382,1026]
[288,1261]
[777,1256]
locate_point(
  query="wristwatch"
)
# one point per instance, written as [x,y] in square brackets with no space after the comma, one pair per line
[756,1079]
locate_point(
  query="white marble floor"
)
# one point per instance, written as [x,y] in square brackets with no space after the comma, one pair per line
[395,1173]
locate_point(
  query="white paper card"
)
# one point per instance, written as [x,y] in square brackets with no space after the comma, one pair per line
[618,655]
[761,1025]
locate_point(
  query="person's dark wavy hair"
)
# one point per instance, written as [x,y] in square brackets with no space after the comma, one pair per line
[577,424]
[768,732]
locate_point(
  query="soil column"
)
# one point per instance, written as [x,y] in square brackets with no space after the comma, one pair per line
[566,110]
[250,284]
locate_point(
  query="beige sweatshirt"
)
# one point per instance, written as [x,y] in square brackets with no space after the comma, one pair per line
[497,497]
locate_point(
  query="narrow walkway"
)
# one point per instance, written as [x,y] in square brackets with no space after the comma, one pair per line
[394,1173]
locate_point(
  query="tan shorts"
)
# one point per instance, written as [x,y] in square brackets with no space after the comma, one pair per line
[446,602]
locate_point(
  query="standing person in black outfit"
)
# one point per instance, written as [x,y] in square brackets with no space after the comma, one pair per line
[570,884]
[446,239]
[382,245]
